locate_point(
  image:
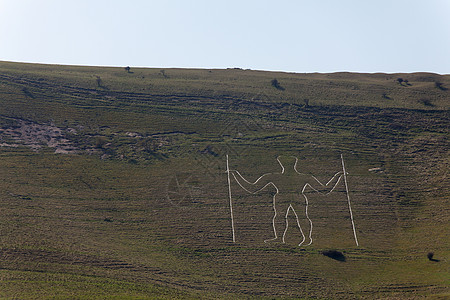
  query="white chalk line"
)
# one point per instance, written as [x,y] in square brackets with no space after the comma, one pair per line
[231,202]
[348,199]
[180,190]
[298,224]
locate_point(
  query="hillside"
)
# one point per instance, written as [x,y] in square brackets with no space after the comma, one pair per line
[113,183]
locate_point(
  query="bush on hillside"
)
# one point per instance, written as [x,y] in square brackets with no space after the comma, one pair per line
[276,84]
[27,93]
[439,86]
[334,254]
[99,81]
[426,102]
[430,256]
[163,73]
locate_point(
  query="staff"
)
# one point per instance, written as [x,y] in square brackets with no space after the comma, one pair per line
[231,202]
[348,199]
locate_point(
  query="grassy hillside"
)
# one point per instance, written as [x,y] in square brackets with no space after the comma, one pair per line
[114,183]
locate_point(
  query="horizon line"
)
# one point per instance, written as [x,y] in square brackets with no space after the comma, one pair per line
[218,68]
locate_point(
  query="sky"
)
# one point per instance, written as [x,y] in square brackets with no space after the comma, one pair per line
[302,36]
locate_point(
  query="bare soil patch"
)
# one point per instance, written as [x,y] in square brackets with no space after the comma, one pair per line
[36,136]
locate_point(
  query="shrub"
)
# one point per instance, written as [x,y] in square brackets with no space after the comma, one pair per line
[400,80]
[99,81]
[100,142]
[334,254]
[163,73]
[133,161]
[27,93]
[127,68]
[430,257]
[276,84]
[385,96]
[439,86]
[426,102]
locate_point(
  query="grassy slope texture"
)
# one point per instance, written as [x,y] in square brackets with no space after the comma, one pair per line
[113,183]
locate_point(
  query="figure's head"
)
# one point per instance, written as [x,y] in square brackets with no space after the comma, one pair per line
[287,162]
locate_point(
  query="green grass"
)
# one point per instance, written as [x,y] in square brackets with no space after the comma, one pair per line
[48,285]
[111,221]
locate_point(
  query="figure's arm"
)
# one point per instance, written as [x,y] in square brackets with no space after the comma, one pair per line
[252,187]
[327,188]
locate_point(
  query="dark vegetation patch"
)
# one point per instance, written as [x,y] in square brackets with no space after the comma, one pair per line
[163,73]
[386,96]
[27,93]
[276,84]
[403,82]
[440,86]
[426,102]
[334,254]
[430,257]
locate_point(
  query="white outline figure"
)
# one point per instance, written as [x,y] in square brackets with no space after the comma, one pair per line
[287,197]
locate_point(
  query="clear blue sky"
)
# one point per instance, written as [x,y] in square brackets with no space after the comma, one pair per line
[288,35]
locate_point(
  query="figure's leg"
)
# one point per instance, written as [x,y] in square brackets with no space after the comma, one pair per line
[304,222]
[279,223]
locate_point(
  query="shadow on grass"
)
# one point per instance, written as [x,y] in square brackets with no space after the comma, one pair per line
[430,257]
[334,254]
